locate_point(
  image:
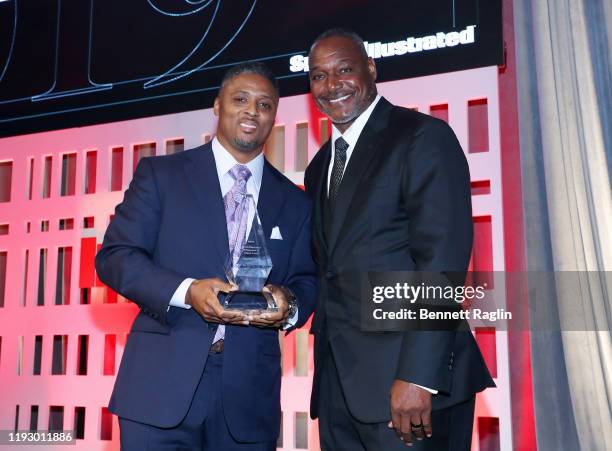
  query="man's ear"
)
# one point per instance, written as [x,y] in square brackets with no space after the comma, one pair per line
[372,68]
[216,106]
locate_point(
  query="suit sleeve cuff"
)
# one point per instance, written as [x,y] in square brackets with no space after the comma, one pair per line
[430,390]
[178,298]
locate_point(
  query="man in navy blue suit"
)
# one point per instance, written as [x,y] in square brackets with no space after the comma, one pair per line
[195,376]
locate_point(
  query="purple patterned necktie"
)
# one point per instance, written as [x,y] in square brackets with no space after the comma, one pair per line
[237,210]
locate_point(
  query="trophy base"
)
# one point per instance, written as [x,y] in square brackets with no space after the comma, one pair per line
[249,301]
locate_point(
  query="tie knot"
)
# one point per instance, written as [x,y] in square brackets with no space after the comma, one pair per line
[341,145]
[240,173]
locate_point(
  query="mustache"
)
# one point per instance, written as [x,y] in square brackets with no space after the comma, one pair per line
[248,120]
[337,94]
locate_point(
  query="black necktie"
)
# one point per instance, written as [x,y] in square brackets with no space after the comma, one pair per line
[338,169]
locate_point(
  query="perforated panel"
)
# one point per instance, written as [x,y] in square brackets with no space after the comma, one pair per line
[57,193]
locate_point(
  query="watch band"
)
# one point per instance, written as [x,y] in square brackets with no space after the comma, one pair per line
[292,301]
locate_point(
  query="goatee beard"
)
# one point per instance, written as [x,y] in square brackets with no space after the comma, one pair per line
[246,146]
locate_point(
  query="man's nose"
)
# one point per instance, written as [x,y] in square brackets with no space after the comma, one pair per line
[333,83]
[251,109]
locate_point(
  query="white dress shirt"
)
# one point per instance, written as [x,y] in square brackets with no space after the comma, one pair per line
[224,161]
[351,135]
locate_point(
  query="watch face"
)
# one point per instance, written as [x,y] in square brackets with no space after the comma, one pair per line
[292,303]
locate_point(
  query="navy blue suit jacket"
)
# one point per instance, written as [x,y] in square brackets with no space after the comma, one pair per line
[170,226]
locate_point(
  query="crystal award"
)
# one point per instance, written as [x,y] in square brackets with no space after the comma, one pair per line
[249,270]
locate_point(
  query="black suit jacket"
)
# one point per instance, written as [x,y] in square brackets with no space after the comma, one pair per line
[404,204]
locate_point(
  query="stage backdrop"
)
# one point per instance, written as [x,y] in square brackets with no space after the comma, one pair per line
[67,63]
[62,333]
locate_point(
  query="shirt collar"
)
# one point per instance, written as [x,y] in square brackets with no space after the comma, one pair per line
[225,161]
[351,135]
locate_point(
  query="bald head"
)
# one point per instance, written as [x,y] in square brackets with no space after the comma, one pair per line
[342,33]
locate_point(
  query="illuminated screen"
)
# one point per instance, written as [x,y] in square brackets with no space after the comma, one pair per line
[67,63]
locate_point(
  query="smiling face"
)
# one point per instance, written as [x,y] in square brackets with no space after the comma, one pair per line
[246,107]
[342,79]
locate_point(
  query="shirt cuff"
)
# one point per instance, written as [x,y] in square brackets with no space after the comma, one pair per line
[430,390]
[293,320]
[178,298]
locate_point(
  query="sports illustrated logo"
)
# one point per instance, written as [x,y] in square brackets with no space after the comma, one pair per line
[299,63]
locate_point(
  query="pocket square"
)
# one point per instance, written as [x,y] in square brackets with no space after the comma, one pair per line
[276,235]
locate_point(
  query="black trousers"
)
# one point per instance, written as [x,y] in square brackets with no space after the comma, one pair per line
[340,431]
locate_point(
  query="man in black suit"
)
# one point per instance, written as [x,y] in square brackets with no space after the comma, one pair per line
[393,194]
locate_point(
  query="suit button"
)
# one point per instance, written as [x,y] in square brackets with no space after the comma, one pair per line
[450,367]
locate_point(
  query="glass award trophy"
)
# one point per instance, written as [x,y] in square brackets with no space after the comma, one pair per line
[250,270]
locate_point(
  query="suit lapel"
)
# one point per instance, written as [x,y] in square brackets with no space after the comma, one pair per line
[367,146]
[320,197]
[271,199]
[202,176]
